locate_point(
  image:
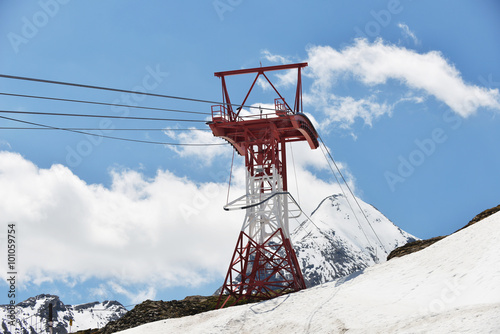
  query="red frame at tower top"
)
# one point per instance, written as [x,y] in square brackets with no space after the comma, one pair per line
[261,71]
[283,123]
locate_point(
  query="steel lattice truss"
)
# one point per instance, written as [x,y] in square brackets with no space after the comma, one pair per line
[264,263]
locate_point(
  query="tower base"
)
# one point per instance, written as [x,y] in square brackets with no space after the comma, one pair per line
[261,271]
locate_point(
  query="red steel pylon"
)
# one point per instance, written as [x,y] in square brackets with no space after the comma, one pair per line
[264,263]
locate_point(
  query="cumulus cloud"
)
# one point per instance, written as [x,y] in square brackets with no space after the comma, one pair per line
[134,298]
[373,65]
[157,232]
[344,110]
[275,58]
[206,154]
[303,167]
[263,84]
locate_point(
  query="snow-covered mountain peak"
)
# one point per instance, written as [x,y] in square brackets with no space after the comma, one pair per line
[341,238]
[33,314]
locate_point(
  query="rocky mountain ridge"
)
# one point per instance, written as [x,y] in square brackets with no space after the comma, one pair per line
[32,315]
[149,311]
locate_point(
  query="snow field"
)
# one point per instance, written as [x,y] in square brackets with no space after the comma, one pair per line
[451,286]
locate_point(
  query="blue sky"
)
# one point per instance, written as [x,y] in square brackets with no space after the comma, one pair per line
[404,93]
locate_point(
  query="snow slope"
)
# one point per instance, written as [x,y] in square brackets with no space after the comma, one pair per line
[338,242]
[451,286]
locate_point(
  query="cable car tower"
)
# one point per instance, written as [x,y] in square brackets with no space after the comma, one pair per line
[264,263]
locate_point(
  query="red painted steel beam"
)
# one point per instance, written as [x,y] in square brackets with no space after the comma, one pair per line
[260,69]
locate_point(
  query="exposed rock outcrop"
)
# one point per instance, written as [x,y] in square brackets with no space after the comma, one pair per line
[150,311]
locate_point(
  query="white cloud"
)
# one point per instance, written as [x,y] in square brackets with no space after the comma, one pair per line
[263,84]
[100,292]
[407,33]
[303,167]
[165,231]
[285,78]
[4,143]
[134,298]
[375,63]
[204,153]
[344,110]
[157,232]
[275,58]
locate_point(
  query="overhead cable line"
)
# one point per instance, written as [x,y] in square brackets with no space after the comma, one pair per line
[101,129]
[110,137]
[352,194]
[295,173]
[103,88]
[100,116]
[124,91]
[104,103]
[323,149]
